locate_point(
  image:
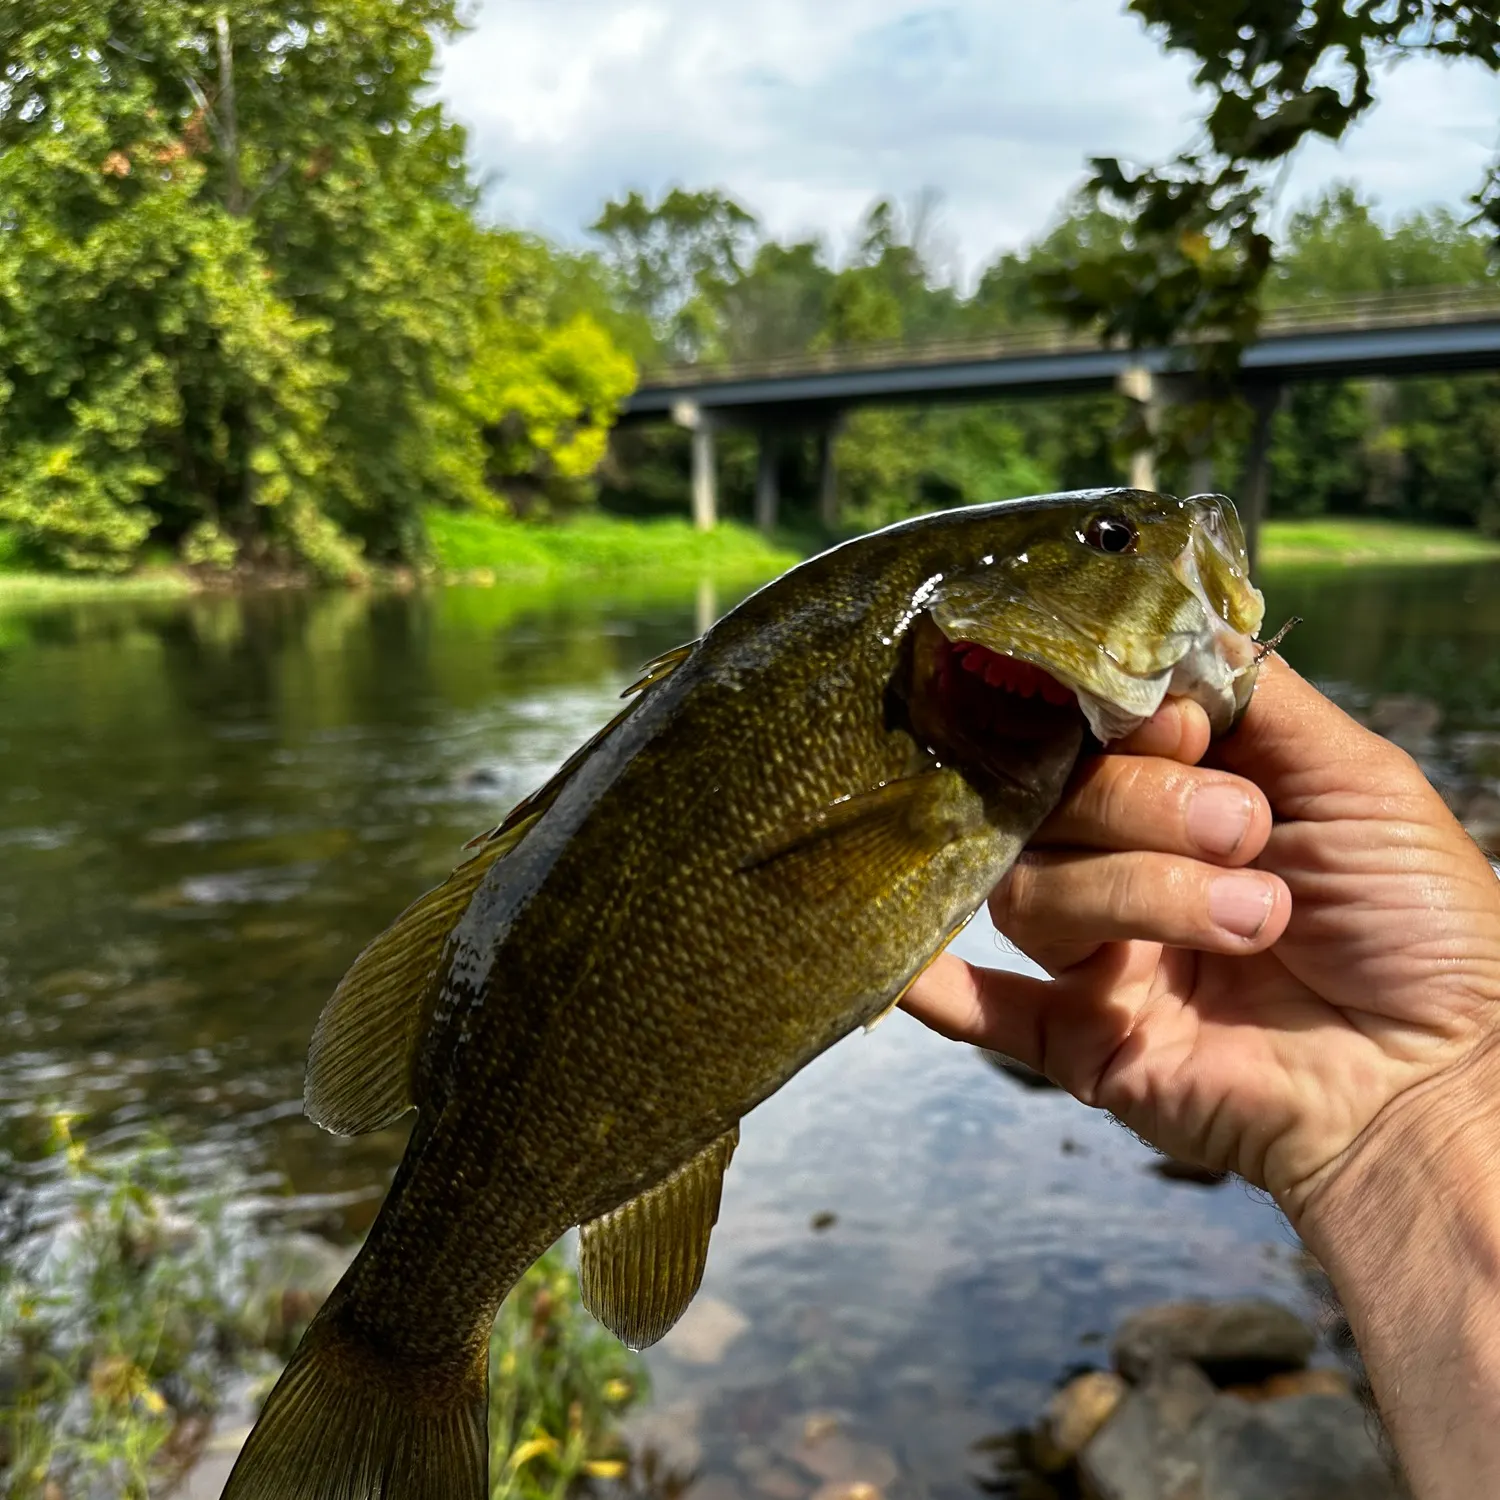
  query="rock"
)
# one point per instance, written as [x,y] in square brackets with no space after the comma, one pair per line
[706,1331]
[1073,1416]
[777,1483]
[858,1489]
[1405,719]
[1176,1437]
[669,1434]
[289,1282]
[1028,1078]
[1478,809]
[838,1459]
[1320,1382]
[714,1487]
[1315,1447]
[1173,1170]
[1145,1451]
[1235,1343]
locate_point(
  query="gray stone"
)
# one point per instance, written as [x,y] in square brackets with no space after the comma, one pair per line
[1233,1342]
[1145,1451]
[290,1280]
[1176,1438]
[1300,1448]
[1406,719]
[1028,1078]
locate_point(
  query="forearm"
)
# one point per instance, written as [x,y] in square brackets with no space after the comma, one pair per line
[1409,1233]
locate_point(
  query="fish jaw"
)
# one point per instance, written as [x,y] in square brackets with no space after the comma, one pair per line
[1191,634]
[1217,667]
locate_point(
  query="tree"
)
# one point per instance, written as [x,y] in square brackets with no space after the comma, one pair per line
[235,279]
[544,390]
[674,258]
[1275,72]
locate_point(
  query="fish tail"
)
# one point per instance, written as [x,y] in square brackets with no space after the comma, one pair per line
[345,1422]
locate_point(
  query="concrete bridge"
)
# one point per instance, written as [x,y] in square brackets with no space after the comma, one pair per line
[1442,330]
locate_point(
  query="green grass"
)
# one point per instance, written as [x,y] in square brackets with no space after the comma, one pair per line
[1334,539]
[489,549]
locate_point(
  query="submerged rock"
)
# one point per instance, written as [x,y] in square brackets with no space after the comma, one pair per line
[1176,1436]
[1406,719]
[1028,1078]
[291,1279]
[1232,1342]
[1073,1416]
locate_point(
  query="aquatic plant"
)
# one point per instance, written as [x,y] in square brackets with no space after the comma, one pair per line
[127,1301]
[558,1386]
[117,1304]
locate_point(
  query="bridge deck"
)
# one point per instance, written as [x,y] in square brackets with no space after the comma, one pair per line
[1446,329]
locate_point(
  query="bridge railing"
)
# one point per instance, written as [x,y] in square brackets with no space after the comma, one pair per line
[1427,306]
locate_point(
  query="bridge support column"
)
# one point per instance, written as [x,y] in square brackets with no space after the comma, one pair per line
[1255,482]
[705,474]
[828,473]
[1139,385]
[767,495]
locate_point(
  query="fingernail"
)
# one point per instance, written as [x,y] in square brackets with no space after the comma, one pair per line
[1218,817]
[1240,904]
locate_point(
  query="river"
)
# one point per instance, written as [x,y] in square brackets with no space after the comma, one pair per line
[207,806]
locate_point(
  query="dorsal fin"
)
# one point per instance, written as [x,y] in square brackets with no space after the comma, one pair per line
[642,1263]
[359,1067]
[658,669]
[360,1063]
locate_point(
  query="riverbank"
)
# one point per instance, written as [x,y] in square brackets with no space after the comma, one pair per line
[1349,541]
[469,548]
[666,554]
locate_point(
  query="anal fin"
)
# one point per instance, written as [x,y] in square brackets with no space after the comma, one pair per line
[642,1263]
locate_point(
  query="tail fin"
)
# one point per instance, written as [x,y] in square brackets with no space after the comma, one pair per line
[345,1424]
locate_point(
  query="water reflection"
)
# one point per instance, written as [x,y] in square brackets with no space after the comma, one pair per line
[207,806]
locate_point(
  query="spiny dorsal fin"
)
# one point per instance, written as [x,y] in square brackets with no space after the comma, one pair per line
[656,670]
[360,1063]
[660,668]
[641,1264]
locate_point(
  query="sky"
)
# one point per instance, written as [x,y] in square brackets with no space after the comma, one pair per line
[807,110]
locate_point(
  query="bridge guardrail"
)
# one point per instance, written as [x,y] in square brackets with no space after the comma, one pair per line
[1420,306]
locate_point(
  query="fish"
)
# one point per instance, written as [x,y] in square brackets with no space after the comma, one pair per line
[785,824]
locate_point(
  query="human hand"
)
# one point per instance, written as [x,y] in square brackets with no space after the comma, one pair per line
[1245,992]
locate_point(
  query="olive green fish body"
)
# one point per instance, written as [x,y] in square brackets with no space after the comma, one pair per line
[754,860]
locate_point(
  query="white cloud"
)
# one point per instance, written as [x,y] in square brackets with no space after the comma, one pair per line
[808,109]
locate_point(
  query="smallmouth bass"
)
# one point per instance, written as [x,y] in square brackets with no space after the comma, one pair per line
[783,827]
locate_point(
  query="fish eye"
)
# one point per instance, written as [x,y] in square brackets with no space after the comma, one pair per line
[1111,534]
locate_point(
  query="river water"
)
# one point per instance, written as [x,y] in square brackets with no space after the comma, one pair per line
[208,805]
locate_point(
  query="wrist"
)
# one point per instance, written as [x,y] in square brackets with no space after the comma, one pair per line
[1407,1225]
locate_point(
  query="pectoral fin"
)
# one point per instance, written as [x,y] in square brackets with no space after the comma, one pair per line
[360,1063]
[641,1264]
[874,839]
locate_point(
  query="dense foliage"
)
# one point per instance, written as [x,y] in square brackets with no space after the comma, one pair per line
[249,315]
[245,308]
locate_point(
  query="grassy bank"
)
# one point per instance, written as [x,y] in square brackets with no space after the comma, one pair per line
[493,549]
[471,548]
[1332,539]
